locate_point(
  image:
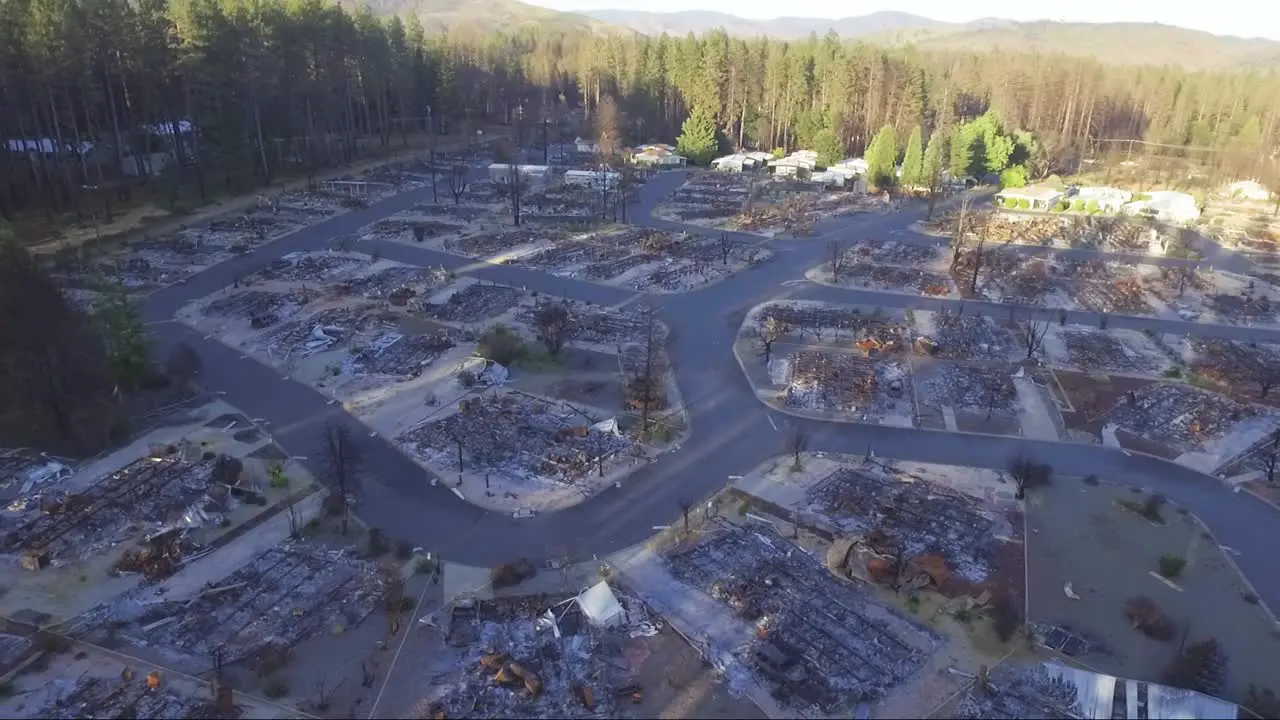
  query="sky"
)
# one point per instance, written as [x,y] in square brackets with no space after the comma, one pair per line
[1226,17]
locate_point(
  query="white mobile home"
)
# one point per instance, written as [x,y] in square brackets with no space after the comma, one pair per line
[501,172]
[591,178]
[1166,206]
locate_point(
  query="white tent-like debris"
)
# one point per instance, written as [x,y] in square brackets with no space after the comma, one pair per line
[600,606]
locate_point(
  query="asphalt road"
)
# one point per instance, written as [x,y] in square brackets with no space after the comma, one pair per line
[730,430]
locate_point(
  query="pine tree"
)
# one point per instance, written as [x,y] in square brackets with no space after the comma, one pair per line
[697,139]
[961,151]
[913,160]
[882,155]
[1201,666]
[828,147]
[931,165]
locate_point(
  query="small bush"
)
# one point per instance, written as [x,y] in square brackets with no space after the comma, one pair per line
[913,604]
[1024,204]
[963,616]
[1172,373]
[378,545]
[1170,566]
[1010,203]
[1077,205]
[1147,618]
[511,574]
[1091,207]
[277,478]
[1005,617]
[500,344]
[276,688]
[1059,207]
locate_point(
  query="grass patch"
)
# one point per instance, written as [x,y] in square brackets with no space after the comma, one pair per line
[1171,566]
[1149,509]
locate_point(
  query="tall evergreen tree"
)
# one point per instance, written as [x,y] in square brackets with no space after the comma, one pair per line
[882,157]
[932,165]
[697,139]
[828,147]
[913,160]
[961,151]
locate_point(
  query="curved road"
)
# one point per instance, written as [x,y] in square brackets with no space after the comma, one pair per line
[730,430]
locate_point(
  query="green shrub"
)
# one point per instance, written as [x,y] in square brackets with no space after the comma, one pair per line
[1077,205]
[1091,207]
[1013,177]
[1139,197]
[500,344]
[1024,204]
[1010,203]
[1060,206]
[1173,373]
[277,478]
[1171,566]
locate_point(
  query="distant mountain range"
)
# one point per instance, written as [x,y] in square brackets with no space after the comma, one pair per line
[1117,43]
[1120,43]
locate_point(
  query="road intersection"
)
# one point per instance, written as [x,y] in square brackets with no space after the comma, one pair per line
[731,431]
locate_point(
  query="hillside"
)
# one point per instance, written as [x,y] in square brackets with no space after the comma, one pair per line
[1117,43]
[787,28]
[480,15]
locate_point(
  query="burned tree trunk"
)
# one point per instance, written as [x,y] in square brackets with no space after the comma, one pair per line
[341,459]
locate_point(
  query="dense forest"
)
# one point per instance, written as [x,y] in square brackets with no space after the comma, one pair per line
[238,91]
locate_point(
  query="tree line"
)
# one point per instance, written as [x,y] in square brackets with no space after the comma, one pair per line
[275,85]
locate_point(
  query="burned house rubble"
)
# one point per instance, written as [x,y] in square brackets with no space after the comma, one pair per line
[396,355]
[884,518]
[818,644]
[396,284]
[159,497]
[474,303]
[302,267]
[561,656]
[519,437]
[598,325]
[318,332]
[263,309]
[1186,419]
[256,614]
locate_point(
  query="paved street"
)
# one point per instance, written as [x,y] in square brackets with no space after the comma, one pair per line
[730,429]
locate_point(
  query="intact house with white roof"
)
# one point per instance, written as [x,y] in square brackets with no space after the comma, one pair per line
[1037,197]
[1167,206]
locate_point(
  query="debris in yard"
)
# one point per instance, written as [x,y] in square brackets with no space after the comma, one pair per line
[279,598]
[519,438]
[1186,419]
[150,492]
[542,656]
[474,303]
[883,512]
[263,309]
[818,642]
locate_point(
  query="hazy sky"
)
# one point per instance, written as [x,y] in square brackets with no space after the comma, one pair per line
[1232,17]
